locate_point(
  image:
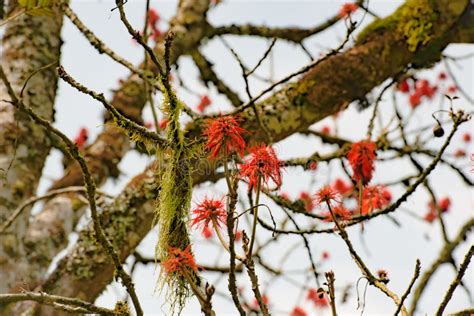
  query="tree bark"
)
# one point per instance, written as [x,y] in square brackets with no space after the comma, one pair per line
[29,43]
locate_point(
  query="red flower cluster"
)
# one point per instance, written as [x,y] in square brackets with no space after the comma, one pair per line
[361,158]
[374,197]
[307,200]
[423,88]
[347,9]
[263,163]
[444,204]
[224,136]
[153,20]
[178,260]
[81,138]
[207,211]
[318,298]
[204,103]
[298,311]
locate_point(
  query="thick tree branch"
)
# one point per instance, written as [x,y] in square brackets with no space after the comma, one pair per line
[28,45]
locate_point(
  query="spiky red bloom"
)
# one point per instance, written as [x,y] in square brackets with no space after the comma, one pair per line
[178,260]
[340,212]
[374,197]
[224,136]
[346,9]
[298,311]
[81,138]
[208,210]
[264,163]
[204,103]
[404,86]
[327,195]
[466,137]
[341,186]
[362,159]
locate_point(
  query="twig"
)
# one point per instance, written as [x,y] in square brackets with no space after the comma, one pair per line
[410,286]
[456,281]
[253,276]
[120,120]
[59,302]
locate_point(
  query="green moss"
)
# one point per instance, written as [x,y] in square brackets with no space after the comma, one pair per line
[174,201]
[412,22]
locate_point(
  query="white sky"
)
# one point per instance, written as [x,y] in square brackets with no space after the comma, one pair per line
[386,245]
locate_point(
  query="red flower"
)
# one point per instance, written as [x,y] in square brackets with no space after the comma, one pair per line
[444,204]
[206,232]
[204,103]
[325,255]
[298,311]
[263,163]
[149,124]
[327,195]
[207,211]
[178,260]
[459,153]
[307,200]
[224,135]
[452,89]
[415,99]
[325,130]
[403,86]
[430,217]
[341,186]
[466,137]
[442,76]
[347,9]
[285,196]
[81,138]
[264,300]
[238,235]
[361,158]
[340,212]
[424,88]
[313,165]
[163,123]
[374,197]
[317,297]
[153,19]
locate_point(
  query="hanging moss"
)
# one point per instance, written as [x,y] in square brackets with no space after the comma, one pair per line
[174,201]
